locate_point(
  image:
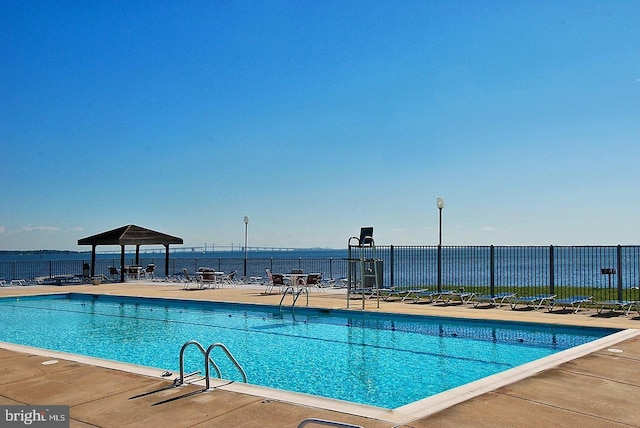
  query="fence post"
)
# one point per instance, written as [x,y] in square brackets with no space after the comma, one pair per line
[619,263]
[492,272]
[552,279]
[391,280]
[439,268]
[349,274]
[331,267]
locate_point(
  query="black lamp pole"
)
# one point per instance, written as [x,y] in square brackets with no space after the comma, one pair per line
[246,229]
[440,205]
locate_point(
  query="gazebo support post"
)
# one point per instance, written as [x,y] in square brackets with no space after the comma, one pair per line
[93,261]
[138,255]
[166,260]
[121,263]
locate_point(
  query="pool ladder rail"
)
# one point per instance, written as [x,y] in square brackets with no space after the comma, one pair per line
[208,362]
[295,294]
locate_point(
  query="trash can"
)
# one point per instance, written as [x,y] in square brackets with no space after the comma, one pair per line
[86,270]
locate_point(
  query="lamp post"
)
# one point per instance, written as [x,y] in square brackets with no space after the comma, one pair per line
[440,205]
[246,229]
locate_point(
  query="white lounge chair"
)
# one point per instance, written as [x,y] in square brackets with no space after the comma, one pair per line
[411,294]
[496,300]
[622,305]
[535,302]
[431,296]
[456,296]
[388,293]
[574,301]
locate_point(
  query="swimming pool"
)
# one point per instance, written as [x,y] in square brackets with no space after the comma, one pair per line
[379,359]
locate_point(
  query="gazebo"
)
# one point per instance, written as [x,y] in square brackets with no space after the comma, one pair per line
[129,235]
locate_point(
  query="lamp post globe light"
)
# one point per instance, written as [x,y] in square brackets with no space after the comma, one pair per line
[246,229]
[440,205]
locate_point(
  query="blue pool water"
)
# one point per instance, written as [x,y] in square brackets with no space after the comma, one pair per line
[384,360]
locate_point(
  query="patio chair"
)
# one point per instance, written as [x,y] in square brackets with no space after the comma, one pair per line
[574,301]
[274,280]
[495,300]
[621,305]
[535,302]
[208,278]
[315,280]
[186,279]
[113,273]
[230,278]
[149,271]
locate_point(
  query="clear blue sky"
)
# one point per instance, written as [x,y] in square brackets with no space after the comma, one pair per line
[317,118]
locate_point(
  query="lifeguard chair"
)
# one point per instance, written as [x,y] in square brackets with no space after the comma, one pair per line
[366,263]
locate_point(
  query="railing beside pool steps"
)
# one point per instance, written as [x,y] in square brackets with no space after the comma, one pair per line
[294,294]
[208,361]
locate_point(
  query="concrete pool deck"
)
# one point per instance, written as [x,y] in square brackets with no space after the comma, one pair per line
[598,389]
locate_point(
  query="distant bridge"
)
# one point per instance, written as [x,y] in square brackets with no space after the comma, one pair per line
[151,249]
[238,248]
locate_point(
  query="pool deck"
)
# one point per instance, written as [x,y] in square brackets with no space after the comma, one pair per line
[599,389]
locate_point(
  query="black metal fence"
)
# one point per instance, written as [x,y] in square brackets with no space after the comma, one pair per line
[607,272]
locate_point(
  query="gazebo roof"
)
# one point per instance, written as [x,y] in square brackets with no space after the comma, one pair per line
[130,235]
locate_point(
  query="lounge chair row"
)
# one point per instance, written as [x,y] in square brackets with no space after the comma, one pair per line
[4,283]
[551,301]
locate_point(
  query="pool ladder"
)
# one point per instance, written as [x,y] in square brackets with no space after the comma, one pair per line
[208,362]
[295,294]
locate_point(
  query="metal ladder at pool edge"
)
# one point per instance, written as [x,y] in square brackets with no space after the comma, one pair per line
[208,361]
[295,294]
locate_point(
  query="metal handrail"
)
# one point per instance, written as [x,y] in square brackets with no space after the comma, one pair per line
[231,357]
[294,294]
[207,362]
[327,423]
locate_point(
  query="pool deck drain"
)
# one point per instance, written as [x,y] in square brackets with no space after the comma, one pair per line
[598,388]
